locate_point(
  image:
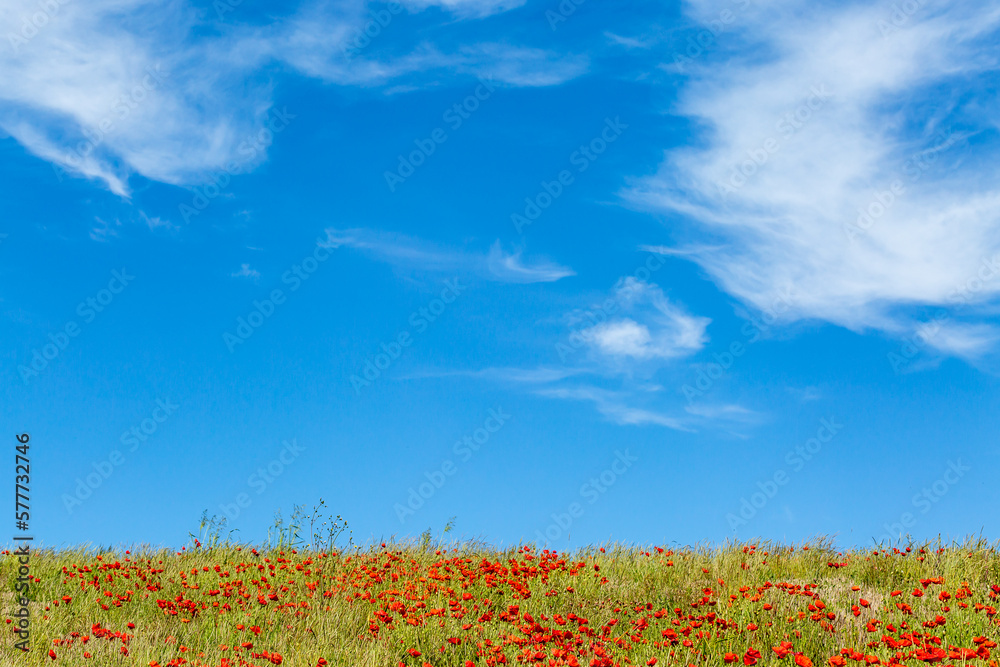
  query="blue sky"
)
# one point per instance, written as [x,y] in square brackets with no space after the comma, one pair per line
[568,273]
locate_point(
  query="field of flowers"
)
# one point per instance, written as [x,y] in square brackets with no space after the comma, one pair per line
[468,605]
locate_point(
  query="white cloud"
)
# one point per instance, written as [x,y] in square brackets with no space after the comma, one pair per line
[416,254]
[395,248]
[309,47]
[471,8]
[540,375]
[105,230]
[805,394]
[510,268]
[958,338]
[650,326]
[628,42]
[519,65]
[731,412]
[622,337]
[111,88]
[103,97]
[611,405]
[246,272]
[679,252]
[645,330]
[815,119]
[619,407]
[632,404]
[155,222]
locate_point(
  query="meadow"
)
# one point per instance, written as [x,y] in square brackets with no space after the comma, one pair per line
[466,604]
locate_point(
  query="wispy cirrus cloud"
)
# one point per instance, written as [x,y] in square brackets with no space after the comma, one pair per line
[541,375]
[416,254]
[646,332]
[91,94]
[113,88]
[307,44]
[246,271]
[803,134]
[630,408]
[629,404]
[569,384]
[509,267]
[612,405]
[467,8]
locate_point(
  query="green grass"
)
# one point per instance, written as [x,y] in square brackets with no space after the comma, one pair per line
[351,607]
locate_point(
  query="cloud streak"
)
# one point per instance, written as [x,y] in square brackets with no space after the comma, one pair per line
[467,8]
[415,254]
[246,271]
[611,405]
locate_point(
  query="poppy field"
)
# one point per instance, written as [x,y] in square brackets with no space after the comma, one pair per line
[470,606]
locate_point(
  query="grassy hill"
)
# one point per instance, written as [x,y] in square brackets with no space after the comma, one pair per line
[464,605]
